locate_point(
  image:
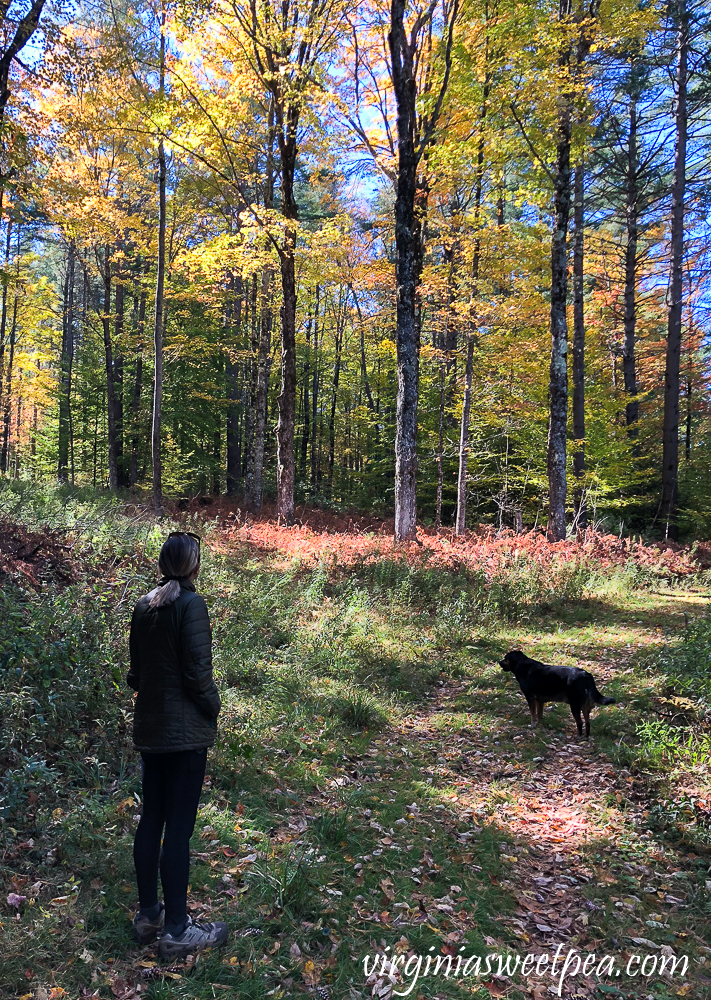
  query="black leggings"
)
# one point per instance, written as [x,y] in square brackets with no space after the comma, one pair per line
[172,783]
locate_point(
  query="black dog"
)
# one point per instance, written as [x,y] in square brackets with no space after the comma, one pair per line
[541,682]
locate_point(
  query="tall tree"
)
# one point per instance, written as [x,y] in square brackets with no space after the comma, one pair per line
[632,208]
[8,370]
[158,318]
[486,69]
[670,430]
[628,185]
[16,30]
[576,36]
[581,516]
[104,263]
[415,133]
[255,459]
[66,361]
[289,38]
[141,295]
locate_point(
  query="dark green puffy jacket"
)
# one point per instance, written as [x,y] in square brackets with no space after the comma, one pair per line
[171,668]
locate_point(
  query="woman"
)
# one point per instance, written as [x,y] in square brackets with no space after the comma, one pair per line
[174,723]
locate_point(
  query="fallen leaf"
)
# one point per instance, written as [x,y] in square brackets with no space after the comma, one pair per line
[387,886]
[311,975]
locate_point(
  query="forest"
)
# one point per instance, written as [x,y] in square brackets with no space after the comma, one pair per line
[392,321]
[445,261]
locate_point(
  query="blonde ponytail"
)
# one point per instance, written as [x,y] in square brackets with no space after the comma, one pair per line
[164,593]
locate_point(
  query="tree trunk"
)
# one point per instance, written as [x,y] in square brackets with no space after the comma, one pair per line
[670,432]
[95,448]
[408,267]
[217,435]
[314,397]
[255,473]
[234,457]
[570,60]
[687,438]
[461,515]
[258,418]
[108,357]
[461,523]
[408,234]
[440,444]
[118,379]
[365,381]
[158,337]
[253,317]
[581,516]
[234,449]
[65,380]
[33,443]
[137,387]
[629,365]
[159,305]
[287,395]
[450,332]
[447,372]
[334,399]
[18,429]
[558,384]
[3,316]
[8,386]
[306,429]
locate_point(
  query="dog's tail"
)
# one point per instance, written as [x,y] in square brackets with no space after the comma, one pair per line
[600,699]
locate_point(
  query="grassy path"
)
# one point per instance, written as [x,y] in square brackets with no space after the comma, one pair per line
[576,855]
[453,831]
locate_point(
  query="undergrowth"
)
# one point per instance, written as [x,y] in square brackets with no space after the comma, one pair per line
[320,663]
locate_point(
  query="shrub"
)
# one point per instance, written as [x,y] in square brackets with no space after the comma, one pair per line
[688,664]
[665,746]
[31,775]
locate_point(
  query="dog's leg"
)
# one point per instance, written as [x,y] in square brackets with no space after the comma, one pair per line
[540,705]
[575,709]
[586,713]
[532,710]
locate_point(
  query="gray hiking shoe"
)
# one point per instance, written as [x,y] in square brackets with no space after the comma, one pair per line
[145,930]
[197,935]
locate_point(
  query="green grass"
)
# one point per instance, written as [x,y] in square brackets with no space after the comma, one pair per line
[375,782]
